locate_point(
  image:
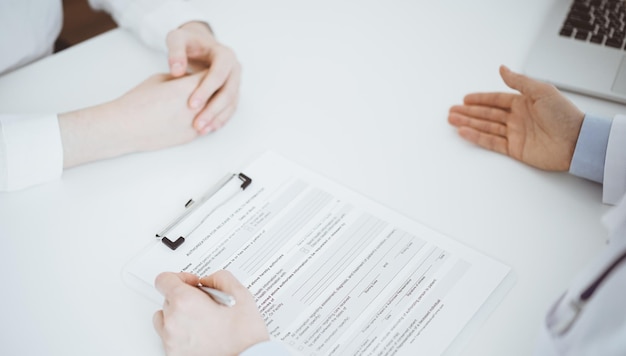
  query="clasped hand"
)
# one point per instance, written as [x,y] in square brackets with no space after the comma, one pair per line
[217,94]
[166,109]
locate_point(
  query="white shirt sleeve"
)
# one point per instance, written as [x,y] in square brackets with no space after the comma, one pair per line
[28,30]
[31,151]
[615,162]
[150,20]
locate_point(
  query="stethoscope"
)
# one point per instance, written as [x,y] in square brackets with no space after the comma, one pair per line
[563,316]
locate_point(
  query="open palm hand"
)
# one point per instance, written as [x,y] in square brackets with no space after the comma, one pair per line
[539,126]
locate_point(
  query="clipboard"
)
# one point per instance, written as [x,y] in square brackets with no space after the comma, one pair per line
[294,231]
[192,206]
[195,213]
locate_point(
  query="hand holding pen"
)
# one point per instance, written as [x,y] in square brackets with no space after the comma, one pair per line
[192,320]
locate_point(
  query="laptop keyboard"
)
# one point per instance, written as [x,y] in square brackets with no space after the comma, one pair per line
[597,21]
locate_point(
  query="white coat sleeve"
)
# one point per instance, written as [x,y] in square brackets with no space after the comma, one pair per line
[150,20]
[31,151]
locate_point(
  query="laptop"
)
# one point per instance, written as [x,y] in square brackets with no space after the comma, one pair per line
[581,48]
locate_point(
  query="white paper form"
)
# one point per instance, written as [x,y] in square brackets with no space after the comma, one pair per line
[333,273]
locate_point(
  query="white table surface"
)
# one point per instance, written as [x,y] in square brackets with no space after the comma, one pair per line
[355,90]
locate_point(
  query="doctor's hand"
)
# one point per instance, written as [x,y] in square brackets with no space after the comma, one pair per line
[538,126]
[151,116]
[194,42]
[192,323]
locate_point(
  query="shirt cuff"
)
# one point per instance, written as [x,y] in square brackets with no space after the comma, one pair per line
[615,163]
[590,152]
[31,151]
[266,348]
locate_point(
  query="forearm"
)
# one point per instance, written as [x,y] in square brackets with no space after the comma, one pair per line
[151,116]
[93,134]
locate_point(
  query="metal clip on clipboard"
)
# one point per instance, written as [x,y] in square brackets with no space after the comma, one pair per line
[192,205]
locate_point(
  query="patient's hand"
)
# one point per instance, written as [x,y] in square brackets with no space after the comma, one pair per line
[151,116]
[218,92]
[539,126]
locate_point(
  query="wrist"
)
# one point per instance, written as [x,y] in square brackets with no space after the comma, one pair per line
[93,134]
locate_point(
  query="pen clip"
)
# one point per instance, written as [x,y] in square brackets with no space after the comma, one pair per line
[192,205]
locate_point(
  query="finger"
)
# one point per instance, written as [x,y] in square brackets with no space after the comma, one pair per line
[220,120]
[227,96]
[497,100]
[177,52]
[158,322]
[225,281]
[481,112]
[489,127]
[215,78]
[525,85]
[189,278]
[167,282]
[484,140]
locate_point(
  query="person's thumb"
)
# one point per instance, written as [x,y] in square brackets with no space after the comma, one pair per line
[529,87]
[177,52]
[514,80]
